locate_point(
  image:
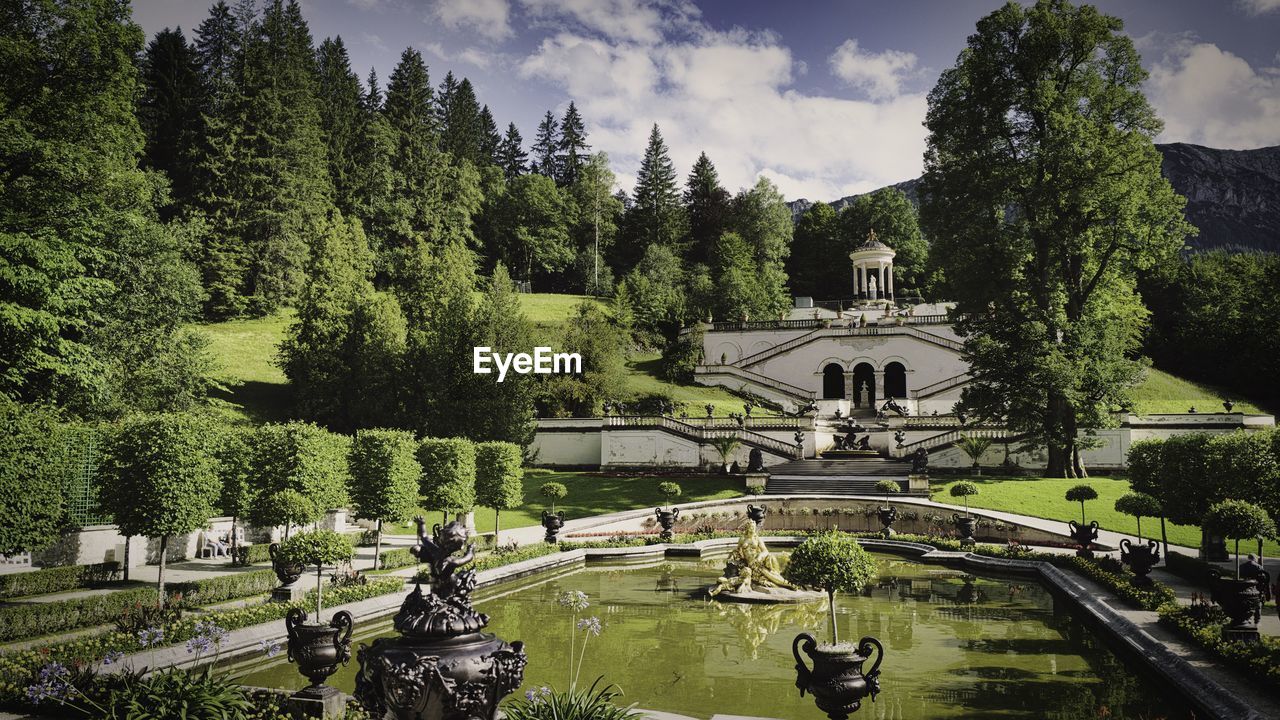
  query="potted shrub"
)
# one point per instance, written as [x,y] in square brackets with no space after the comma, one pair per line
[964,489]
[974,447]
[725,445]
[667,516]
[551,520]
[834,562]
[1240,598]
[1084,535]
[1140,558]
[318,648]
[887,512]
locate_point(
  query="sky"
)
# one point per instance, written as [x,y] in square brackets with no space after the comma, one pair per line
[825,98]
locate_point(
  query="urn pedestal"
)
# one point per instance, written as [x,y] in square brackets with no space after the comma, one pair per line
[1241,600]
[552,522]
[318,650]
[288,574]
[965,525]
[887,516]
[837,681]
[1084,535]
[667,520]
[1140,559]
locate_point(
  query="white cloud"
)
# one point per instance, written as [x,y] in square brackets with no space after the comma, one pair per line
[1259,7]
[489,18]
[880,74]
[1208,96]
[637,21]
[732,95]
[479,58]
[374,41]
[364,4]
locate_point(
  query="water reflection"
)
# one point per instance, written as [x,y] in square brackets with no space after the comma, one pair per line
[957,646]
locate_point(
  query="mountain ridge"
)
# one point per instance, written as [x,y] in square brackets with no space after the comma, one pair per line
[1233,196]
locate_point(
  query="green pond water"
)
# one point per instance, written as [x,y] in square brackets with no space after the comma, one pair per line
[957,646]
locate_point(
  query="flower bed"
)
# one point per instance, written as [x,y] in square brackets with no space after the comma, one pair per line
[18,668]
[1202,625]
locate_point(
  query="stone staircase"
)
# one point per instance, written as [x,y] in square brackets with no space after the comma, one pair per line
[855,476]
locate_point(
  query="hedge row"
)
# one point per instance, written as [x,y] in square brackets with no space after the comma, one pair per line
[396,558]
[1193,570]
[225,587]
[1202,625]
[1118,579]
[18,669]
[56,579]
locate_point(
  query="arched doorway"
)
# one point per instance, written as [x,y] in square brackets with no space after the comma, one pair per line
[895,380]
[864,385]
[833,382]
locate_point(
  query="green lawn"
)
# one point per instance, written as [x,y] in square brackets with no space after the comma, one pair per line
[1161,392]
[551,309]
[593,494]
[642,378]
[1043,498]
[245,351]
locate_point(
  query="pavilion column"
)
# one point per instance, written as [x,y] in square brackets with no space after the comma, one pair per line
[889,270]
[857,281]
[879,389]
[848,388]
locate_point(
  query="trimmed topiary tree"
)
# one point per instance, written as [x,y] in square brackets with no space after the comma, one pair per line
[448,474]
[1081,493]
[159,479]
[832,561]
[232,452]
[499,479]
[553,491]
[670,490]
[1139,505]
[1146,470]
[887,488]
[384,478]
[964,489]
[1237,520]
[31,505]
[297,460]
[318,548]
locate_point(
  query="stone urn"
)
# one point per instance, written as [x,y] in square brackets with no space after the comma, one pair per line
[965,525]
[837,681]
[1140,559]
[442,666]
[288,575]
[887,516]
[552,522]
[667,520]
[318,649]
[756,513]
[1084,535]
[1241,600]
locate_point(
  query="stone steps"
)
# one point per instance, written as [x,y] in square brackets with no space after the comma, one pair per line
[846,476]
[816,485]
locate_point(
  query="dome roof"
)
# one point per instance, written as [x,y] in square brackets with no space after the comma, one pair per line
[872,243]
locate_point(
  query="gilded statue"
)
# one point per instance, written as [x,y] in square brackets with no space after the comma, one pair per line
[750,567]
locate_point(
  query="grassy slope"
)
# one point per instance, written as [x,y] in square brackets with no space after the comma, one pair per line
[1043,497]
[593,494]
[257,391]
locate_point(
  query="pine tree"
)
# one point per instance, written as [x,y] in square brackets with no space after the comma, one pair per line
[170,113]
[490,140]
[545,145]
[707,204]
[444,101]
[219,41]
[502,411]
[573,147]
[656,216]
[412,215]
[374,176]
[511,155]
[595,223]
[463,133]
[342,117]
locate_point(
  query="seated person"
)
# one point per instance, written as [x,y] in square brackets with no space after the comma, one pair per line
[217,543]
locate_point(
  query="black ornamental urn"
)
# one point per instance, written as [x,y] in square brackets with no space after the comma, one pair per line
[837,681]
[442,666]
[667,519]
[965,525]
[756,513]
[552,522]
[1140,559]
[318,649]
[288,575]
[1084,535]
[1241,600]
[887,516]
